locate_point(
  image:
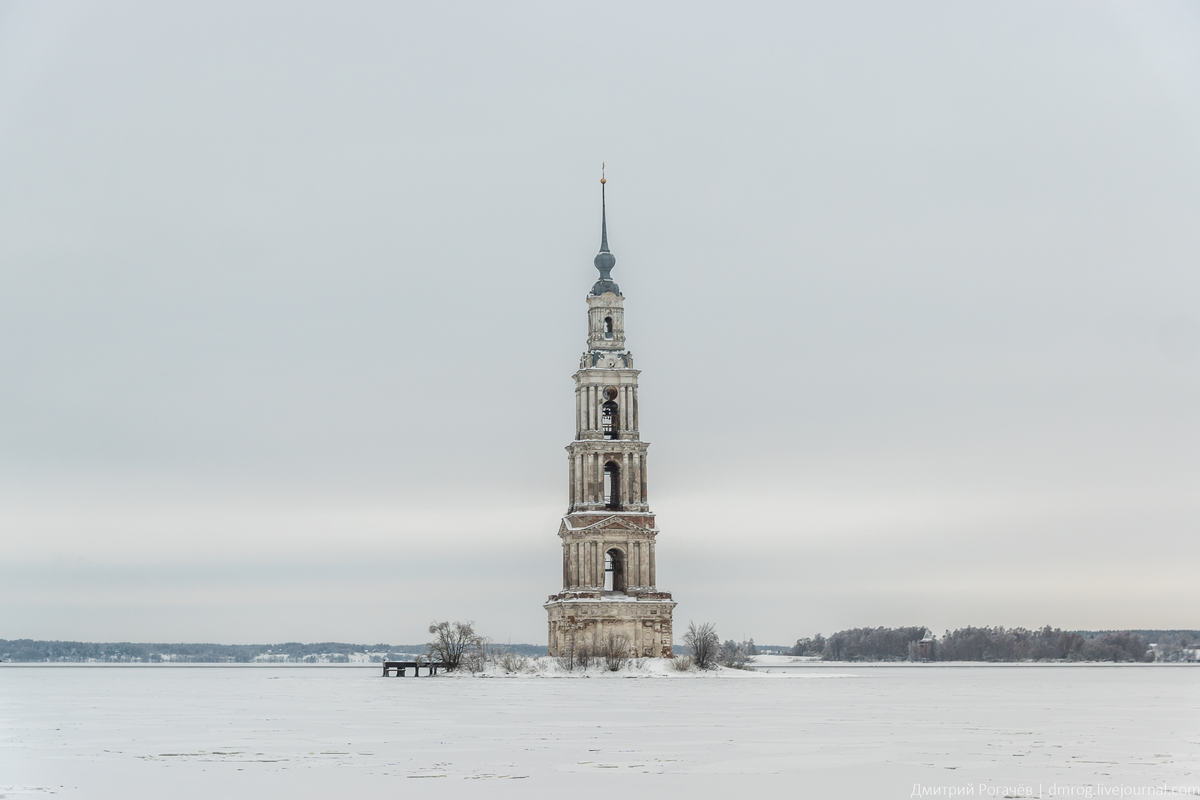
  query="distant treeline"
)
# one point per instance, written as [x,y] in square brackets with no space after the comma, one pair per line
[998,644]
[859,644]
[289,652]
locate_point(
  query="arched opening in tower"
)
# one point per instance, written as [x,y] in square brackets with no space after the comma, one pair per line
[610,420]
[614,571]
[612,486]
[608,329]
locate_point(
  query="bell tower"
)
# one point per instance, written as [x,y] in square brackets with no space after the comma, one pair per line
[608,533]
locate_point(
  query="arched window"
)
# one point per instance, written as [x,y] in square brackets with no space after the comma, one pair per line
[608,327]
[612,486]
[610,420]
[614,571]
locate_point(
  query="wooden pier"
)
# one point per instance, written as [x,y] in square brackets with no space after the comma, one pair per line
[400,667]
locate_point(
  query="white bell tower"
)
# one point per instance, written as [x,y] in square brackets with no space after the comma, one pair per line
[608,534]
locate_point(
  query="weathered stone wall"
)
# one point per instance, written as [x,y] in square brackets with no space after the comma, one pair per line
[585,546]
[581,622]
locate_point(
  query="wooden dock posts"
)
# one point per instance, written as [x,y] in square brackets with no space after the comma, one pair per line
[401,667]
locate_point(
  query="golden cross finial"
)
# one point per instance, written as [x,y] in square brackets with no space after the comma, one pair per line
[602,172]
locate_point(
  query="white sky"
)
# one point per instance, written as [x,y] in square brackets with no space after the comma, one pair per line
[291,295]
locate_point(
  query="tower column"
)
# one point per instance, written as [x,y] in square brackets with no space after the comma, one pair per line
[578,475]
[589,490]
[645,491]
[597,480]
[641,472]
[635,566]
[653,579]
[633,570]
[635,478]
[583,478]
[626,484]
[586,495]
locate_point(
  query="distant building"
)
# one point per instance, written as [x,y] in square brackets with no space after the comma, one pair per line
[925,649]
[608,534]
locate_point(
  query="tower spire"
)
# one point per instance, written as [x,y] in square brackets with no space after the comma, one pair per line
[604,260]
[603,213]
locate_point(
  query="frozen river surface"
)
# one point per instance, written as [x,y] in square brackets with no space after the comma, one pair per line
[856,732]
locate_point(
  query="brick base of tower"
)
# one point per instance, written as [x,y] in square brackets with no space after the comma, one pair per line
[578,620]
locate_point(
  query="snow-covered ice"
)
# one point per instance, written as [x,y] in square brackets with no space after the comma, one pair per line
[820,731]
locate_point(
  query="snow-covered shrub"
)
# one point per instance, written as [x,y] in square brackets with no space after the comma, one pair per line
[682,663]
[615,651]
[511,662]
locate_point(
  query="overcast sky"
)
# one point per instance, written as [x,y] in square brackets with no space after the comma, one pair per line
[291,295]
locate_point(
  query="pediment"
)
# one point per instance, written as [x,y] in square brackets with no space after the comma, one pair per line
[592,522]
[613,524]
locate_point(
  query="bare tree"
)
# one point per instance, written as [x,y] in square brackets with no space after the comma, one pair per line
[477,655]
[574,653]
[583,655]
[566,653]
[615,651]
[704,643]
[451,641]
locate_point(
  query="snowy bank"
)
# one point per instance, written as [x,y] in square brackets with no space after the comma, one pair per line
[660,668]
